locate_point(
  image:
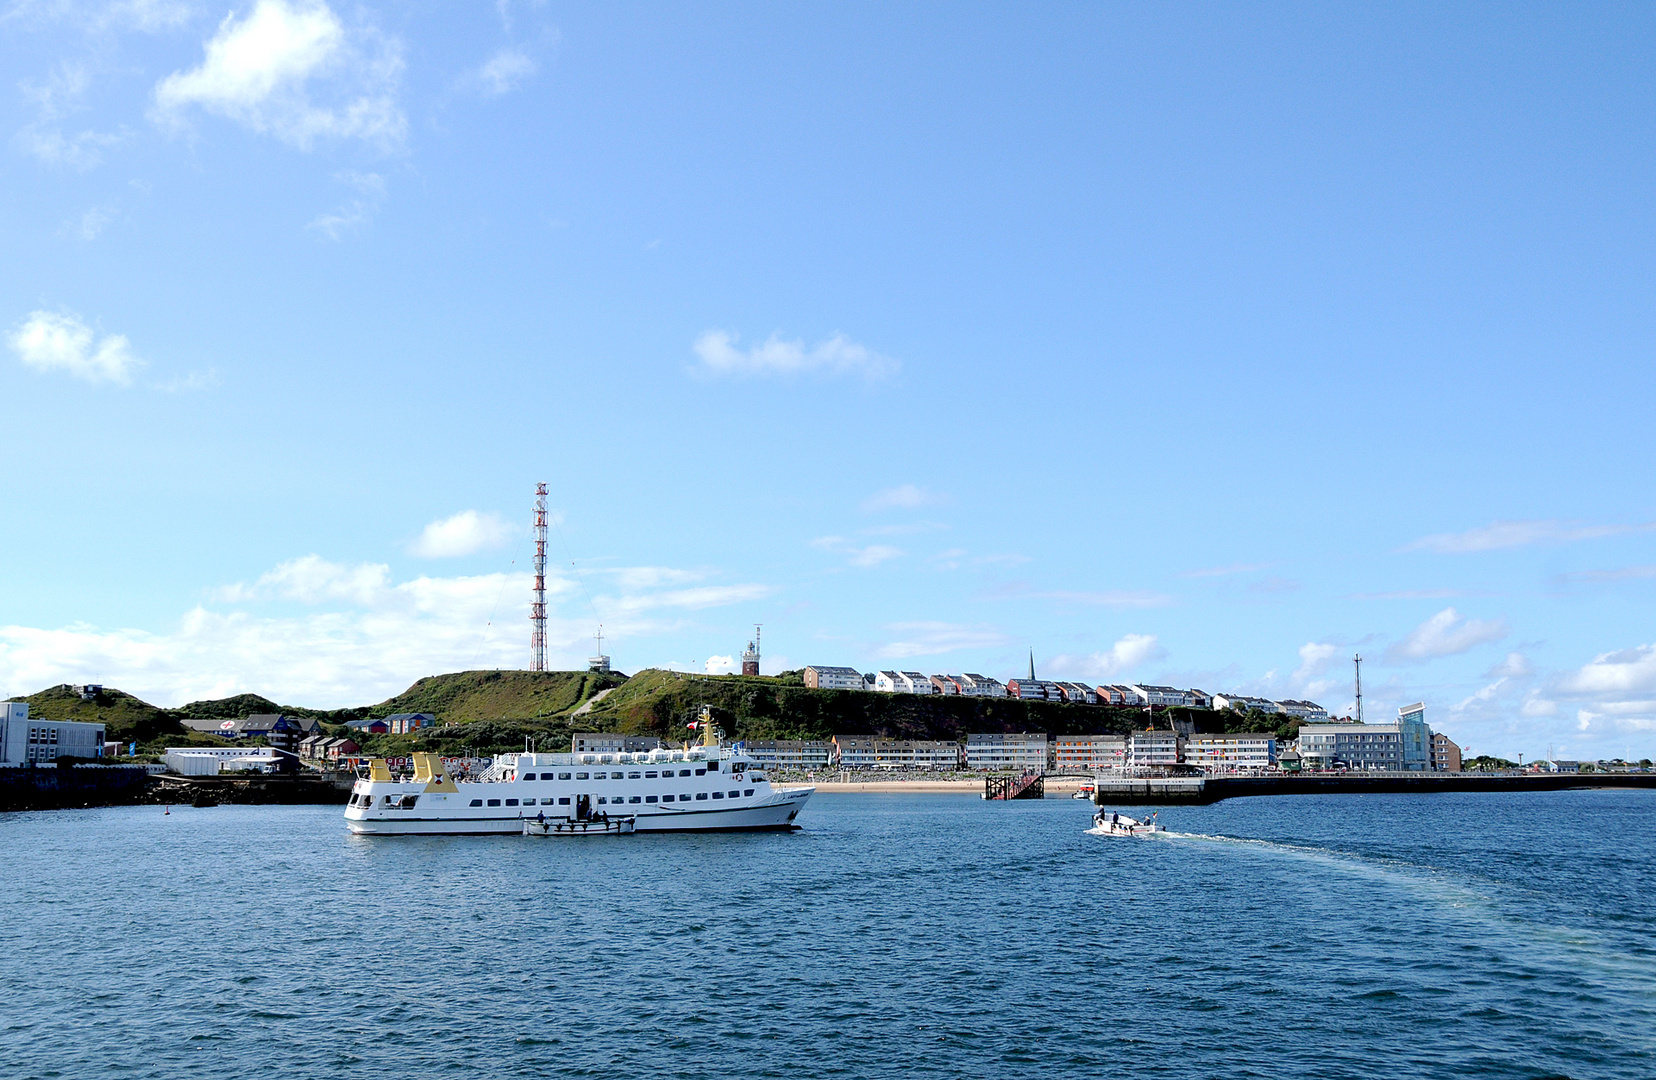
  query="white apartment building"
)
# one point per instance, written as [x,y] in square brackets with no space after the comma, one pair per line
[805,754]
[1153,749]
[1159,695]
[945,684]
[997,750]
[818,677]
[24,741]
[887,682]
[865,752]
[1077,694]
[1404,744]
[974,685]
[1089,751]
[1034,690]
[916,683]
[1242,703]
[1230,753]
[1304,710]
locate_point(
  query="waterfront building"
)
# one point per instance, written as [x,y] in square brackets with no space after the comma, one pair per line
[1403,745]
[1154,749]
[612,742]
[1231,752]
[24,741]
[867,752]
[404,723]
[1446,756]
[1089,751]
[1033,690]
[945,684]
[1308,711]
[1077,694]
[1004,750]
[819,677]
[974,685]
[212,760]
[803,754]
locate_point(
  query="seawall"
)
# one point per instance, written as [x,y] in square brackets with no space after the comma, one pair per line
[1203,790]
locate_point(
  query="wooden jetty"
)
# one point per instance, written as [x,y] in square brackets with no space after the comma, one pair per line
[1027,786]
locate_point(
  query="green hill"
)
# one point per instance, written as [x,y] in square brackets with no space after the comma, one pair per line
[124,717]
[498,695]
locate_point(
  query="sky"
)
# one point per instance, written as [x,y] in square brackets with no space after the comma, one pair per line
[1200,344]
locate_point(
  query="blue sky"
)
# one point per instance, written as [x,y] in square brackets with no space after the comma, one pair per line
[1197,344]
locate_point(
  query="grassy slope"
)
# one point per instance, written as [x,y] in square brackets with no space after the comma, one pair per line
[498,695]
[124,717]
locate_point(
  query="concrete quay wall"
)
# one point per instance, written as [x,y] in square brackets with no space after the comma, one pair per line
[52,788]
[1216,788]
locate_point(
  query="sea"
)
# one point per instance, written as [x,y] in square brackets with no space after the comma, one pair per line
[904,935]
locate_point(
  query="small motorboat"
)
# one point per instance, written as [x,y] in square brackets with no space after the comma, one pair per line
[1085,791]
[1113,824]
[564,826]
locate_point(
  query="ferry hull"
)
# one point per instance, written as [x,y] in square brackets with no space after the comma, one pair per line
[775,813]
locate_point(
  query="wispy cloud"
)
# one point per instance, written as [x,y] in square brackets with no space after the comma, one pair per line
[1599,577]
[503,71]
[861,556]
[902,497]
[1226,571]
[55,99]
[1511,534]
[1421,594]
[90,225]
[60,341]
[838,355]
[354,214]
[1122,598]
[268,70]
[466,533]
[704,596]
[190,382]
[935,638]
[1446,634]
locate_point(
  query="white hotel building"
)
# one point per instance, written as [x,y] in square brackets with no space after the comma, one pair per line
[997,750]
[24,741]
[1230,753]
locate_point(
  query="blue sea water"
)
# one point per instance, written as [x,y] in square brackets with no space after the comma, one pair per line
[894,936]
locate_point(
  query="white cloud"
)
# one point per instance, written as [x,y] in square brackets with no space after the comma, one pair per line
[59,341]
[148,16]
[91,224]
[1315,658]
[901,497]
[1624,672]
[1128,598]
[55,99]
[1626,573]
[505,70]
[190,382]
[837,355]
[1535,705]
[1127,653]
[1515,666]
[720,665]
[1511,534]
[705,596]
[311,579]
[466,533]
[932,638]
[1446,634]
[260,72]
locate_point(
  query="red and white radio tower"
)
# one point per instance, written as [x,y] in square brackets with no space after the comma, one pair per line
[537,609]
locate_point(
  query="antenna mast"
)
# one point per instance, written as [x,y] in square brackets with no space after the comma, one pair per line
[537,609]
[1358,660]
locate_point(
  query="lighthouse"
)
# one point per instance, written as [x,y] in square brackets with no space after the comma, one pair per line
[750,658]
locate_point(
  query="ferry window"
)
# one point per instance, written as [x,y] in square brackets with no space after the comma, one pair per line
[749,791]
[649,776]
[701,795]
[634,799]
[718,794]
[601,799]
[712,766]
[563,776]
[563,802]
[684,798]
[633,776]
[684,772]
[477,802]
[494,802]
[599,775]
[649,798]
[511,802]
[580,776]
[735,794]
[701,772]
[528,776]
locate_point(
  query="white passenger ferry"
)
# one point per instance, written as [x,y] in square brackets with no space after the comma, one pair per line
[698,789]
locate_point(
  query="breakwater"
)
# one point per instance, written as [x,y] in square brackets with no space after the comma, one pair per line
[57,788]
[1201,790]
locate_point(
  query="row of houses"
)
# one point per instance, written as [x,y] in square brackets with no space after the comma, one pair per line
[822,677]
